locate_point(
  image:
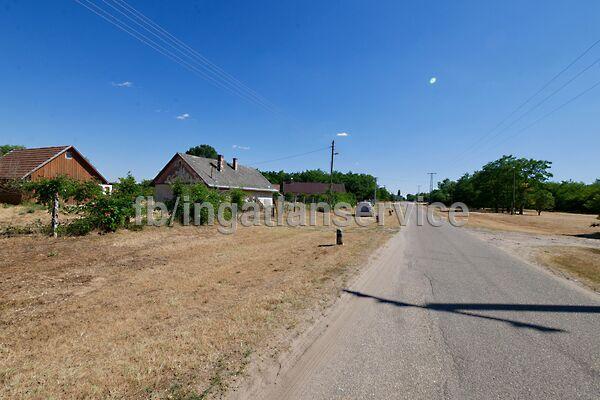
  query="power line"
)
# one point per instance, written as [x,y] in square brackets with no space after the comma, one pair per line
[580,94]
[167,52]
[182,47]
[546,98]
[523,104]
[293,156]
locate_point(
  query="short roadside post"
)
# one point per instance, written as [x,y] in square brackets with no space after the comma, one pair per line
[339,238]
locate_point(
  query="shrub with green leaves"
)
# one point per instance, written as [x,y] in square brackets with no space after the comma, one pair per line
[78,227]
[50,192]
[195,194]
[238,196]
[108,212]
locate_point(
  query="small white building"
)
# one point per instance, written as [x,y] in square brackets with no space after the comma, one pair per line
[216,174]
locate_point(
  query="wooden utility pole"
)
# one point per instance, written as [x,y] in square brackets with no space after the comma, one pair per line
[331,167]
[333,154]
[375,193]
[512,211]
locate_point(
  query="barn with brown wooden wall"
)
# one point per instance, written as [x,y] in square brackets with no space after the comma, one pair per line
[43,162]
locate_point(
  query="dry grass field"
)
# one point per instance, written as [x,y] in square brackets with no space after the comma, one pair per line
[163,312]
[581,262]
[548,223]
[22,215]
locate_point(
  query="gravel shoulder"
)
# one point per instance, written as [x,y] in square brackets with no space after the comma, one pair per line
[546,251]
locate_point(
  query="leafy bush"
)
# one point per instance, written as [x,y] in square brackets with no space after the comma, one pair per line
[82,192]
[105,212]
[238,196]
[78,227]
[108,212]
[344,198]
[195,194]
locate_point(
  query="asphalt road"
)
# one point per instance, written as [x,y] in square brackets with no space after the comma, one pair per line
[441,314]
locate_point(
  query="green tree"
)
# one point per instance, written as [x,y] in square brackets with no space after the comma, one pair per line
[542,200]
[383,194]
[204,150]
[445,192]
[6,148]
[531,176]
[362,186]
[49,192]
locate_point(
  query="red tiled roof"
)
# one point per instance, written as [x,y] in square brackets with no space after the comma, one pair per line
[312,188]
[19,163]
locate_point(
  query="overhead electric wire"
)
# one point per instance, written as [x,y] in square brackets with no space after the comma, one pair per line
[292,156]
[484,137]
[546,98]
[195,54]
[171,46]
[127,28]
[580,94]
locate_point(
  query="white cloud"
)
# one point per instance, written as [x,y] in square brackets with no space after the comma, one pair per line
[432,80]
[183,116]
[343,134]
[237,146]
[123,84]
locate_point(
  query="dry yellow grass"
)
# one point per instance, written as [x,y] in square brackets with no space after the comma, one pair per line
[547,223]
[29,215]
[583,263]
[22,215]
[161,313]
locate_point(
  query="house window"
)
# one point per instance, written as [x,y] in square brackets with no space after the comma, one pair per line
[68,155]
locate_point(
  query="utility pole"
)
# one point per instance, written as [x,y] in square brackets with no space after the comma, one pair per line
[431,174]
[333,154]
[512,211]
[375,193]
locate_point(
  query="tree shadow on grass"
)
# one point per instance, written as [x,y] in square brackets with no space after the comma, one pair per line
[462,308]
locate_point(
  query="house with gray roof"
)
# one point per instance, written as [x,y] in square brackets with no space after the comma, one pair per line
[216,174]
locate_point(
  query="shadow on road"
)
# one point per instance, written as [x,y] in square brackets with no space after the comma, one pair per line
[461,308]
[595,235]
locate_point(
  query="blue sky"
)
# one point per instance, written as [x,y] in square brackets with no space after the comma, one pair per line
[328,67]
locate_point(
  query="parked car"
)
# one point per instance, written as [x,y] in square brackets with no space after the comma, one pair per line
[364,209]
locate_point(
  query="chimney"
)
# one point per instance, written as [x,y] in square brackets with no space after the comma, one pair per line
[235,164]
[220,162]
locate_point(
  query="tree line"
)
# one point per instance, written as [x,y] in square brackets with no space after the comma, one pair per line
[512,184]
[360,186]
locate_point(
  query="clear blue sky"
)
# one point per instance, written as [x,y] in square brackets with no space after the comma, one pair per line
[334,66]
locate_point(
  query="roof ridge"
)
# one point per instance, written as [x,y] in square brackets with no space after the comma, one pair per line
[191,155]
[43,148]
